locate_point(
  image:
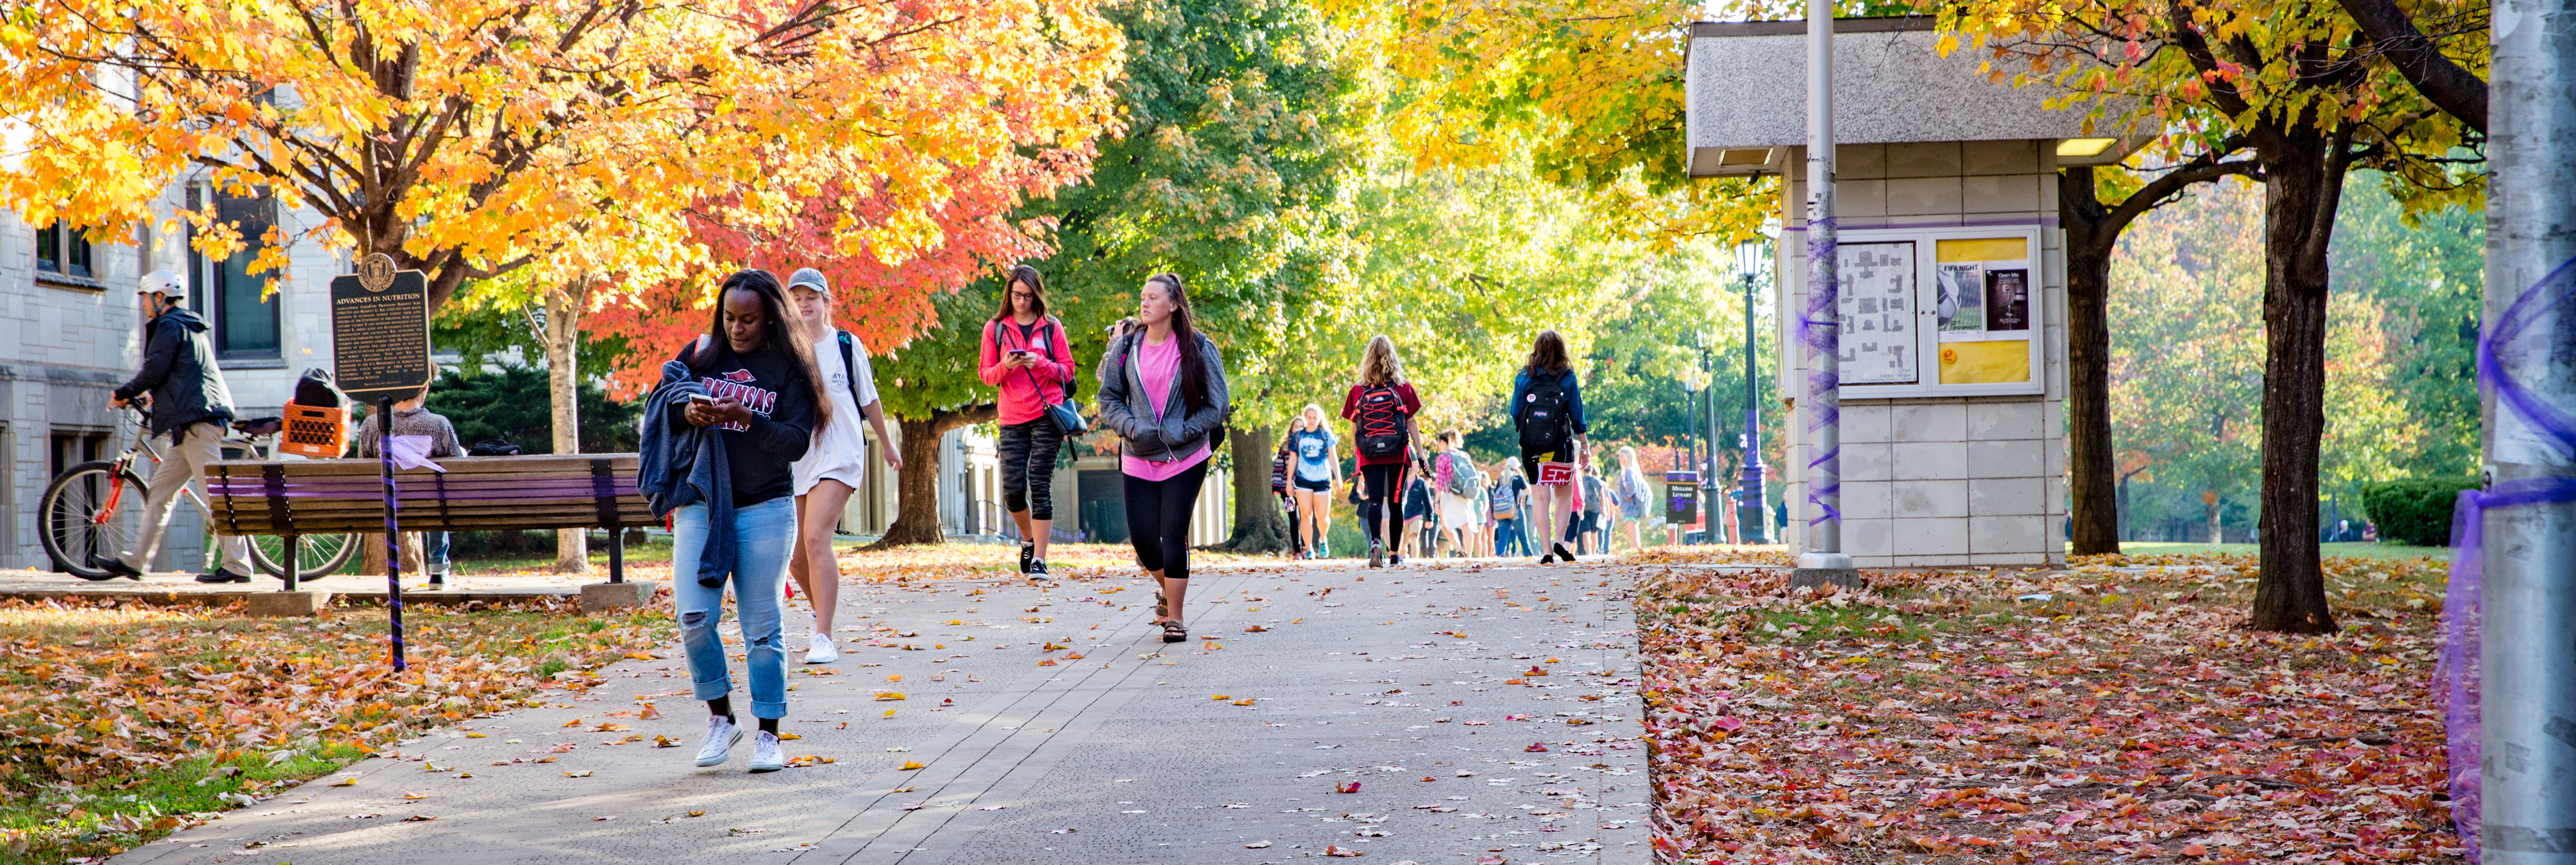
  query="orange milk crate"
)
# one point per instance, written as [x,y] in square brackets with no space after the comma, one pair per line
[314,431]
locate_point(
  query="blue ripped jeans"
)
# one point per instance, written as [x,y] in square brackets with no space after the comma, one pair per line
[763,534]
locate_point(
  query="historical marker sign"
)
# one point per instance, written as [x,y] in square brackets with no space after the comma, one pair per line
[380,329]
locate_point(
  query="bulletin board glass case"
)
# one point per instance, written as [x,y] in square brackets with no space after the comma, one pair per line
[1940,312]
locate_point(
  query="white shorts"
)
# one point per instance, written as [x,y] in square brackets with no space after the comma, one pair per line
[1459,512]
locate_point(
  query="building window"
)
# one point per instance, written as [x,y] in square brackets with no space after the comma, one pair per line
[63,251]
[243,313]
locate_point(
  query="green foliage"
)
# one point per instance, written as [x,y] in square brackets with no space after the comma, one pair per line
[2427,271]
[937,369]
[511,403]
[486,333]
[2415,511]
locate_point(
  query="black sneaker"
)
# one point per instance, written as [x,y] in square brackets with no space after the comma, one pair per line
[1028,553]
[114,566]
[1037,571]
[223,576]
[1393,560]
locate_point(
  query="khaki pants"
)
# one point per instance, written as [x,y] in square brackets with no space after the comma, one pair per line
[181,464]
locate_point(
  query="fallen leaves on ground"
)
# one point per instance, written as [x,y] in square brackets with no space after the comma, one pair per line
[2122,712]
[117,711]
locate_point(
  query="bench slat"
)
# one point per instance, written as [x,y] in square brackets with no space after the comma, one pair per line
[260,497]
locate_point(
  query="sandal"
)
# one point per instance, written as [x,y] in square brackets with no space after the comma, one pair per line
[1173,632]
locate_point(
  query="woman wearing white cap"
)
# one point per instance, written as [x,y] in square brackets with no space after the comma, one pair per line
[833,466]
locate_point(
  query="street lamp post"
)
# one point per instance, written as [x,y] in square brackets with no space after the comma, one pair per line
[1715,534]
[1749,513]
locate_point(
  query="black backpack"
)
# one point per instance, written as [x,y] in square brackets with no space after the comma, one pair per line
[1380,423]
[1542,416]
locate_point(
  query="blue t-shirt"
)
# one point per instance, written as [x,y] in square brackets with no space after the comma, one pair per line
[1314,453]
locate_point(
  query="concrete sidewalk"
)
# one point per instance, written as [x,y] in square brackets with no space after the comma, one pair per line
[1396,681]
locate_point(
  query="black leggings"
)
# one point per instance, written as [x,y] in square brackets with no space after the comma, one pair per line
[1158,519]
[1027,454]
[1382,487]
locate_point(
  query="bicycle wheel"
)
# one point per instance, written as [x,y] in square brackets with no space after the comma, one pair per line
[75,520]
[316,556]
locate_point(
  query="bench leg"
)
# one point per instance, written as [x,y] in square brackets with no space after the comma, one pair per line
[616,554]
[290,565]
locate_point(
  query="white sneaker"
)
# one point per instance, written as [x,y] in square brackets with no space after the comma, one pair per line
[765,756]
[722,733]
[822,652]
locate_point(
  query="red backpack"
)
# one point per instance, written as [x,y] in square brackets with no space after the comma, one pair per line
[1381,423]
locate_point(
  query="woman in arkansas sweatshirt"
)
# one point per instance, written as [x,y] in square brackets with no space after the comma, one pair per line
[762,405]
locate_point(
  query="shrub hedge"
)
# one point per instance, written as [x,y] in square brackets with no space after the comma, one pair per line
[2416,511]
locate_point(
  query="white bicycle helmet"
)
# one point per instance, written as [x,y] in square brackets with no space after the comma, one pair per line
[167,282]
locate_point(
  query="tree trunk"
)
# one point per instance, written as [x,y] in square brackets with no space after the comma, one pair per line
[2091,237]
[1258,526]
[2214,509]
[563,383]
[916,517]
[2303,170]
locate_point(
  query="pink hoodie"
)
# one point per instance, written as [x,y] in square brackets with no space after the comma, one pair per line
[1021,400]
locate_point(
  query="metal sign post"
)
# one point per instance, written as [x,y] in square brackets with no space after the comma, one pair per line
[2519,549]
[380,348]
[1823,561]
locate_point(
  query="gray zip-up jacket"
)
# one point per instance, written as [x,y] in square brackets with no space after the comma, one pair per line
[1125,410]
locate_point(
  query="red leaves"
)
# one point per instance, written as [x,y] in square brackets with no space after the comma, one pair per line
[1536,748]
[1352,787]
[2130,708]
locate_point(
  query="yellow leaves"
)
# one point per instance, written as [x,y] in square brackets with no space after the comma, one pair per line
[909,765]
[889,695]
[585,773]
[789,736]
[650,712]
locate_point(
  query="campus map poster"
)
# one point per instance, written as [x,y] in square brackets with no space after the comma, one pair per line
[1876,307]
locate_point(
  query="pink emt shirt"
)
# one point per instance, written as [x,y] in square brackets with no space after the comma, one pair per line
[1158,364]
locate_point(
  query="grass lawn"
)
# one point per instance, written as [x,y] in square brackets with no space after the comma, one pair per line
[2354,549]
[127,721]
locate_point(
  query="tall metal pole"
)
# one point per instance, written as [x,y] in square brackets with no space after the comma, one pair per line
[1749,514]
[2527,540]
[1820,331]
[1716,508]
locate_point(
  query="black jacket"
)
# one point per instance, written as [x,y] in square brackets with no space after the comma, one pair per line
[179,372]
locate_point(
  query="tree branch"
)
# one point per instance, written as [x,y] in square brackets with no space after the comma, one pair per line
[2445,83]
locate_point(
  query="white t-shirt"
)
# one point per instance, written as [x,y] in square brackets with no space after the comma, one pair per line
[840,448]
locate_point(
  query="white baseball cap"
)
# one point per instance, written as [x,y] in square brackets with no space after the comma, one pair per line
[810,278]
[167,282]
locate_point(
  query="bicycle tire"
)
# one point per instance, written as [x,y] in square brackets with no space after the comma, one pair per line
[66,513]
[318,555]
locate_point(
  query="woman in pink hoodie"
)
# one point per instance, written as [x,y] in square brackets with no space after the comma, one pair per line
[1025,355]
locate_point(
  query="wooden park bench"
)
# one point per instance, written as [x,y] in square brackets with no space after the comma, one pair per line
[289,498]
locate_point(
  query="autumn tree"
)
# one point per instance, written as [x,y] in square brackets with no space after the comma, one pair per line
[1240,122]
[2313,99]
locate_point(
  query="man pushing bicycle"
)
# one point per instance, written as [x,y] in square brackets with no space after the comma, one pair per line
[189,404]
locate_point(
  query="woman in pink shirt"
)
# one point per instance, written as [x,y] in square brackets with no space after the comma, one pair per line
[1025,355]
[1162,391]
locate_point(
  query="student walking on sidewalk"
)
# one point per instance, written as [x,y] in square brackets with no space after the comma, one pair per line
[1381,408]
[1027,357]
[1318,471]
[1633,496]
[1163,392]
[732,414]
[1547,408]
[837,460]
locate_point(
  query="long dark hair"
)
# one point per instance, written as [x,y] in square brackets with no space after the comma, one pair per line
[1547,355]
[1194,376]
[776,313]
[1024,275]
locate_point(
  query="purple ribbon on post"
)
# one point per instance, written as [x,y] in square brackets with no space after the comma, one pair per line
[2456,677]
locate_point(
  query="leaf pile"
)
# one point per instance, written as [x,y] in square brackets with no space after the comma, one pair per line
[2058,717]
[100,699]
